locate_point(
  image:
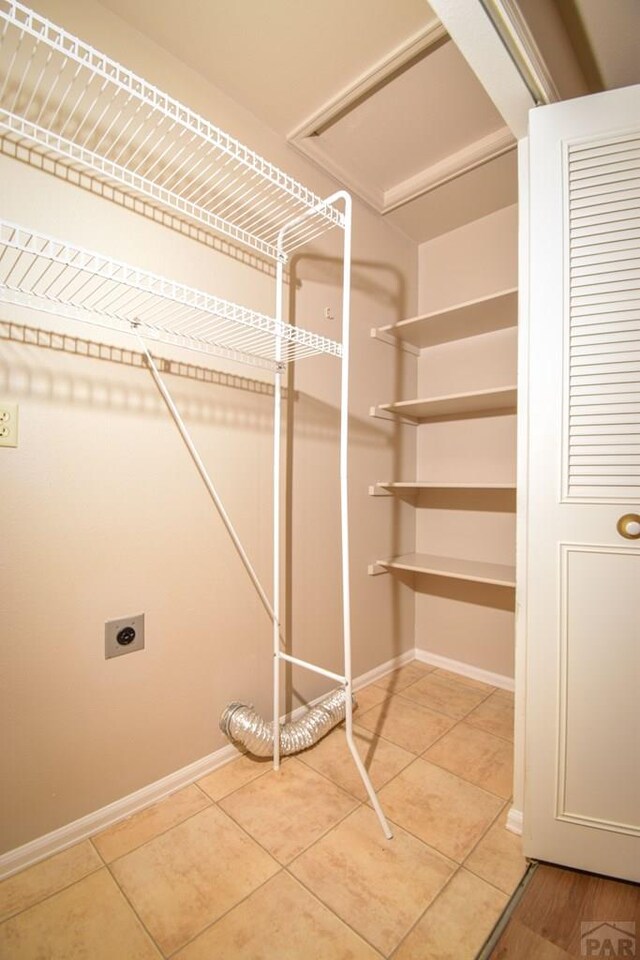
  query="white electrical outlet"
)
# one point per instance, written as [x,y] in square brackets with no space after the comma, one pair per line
[123,636]
[8,424]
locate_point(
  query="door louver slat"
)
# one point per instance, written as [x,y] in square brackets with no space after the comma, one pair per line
[602,459]
[628,236]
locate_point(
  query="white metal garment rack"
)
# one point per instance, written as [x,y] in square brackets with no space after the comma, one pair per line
[62,100]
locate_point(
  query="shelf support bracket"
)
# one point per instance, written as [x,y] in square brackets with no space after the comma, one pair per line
[376,569]
[392,341]
[381,414]
[379,490]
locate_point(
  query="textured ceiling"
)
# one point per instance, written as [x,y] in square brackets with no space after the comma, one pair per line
[281,59]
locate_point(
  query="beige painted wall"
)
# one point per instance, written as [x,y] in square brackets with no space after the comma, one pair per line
[103,515]
[468,622]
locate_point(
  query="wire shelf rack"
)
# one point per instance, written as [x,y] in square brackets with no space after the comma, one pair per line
[65,99]
[47,274]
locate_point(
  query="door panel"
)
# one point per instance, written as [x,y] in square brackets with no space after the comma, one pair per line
[582,785]
[599,777]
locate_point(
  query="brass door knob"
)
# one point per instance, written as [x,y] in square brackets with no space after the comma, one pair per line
[628,526]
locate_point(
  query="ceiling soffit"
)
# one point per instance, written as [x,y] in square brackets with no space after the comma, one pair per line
[392,88]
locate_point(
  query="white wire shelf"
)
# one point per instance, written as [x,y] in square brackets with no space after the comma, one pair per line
[47,274]
[65,99]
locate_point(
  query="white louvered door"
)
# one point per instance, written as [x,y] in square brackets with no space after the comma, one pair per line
[582,579]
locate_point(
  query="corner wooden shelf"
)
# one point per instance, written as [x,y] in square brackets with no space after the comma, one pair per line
[459,322]
[387,488]
[484,315]
[456,404]
[477,571]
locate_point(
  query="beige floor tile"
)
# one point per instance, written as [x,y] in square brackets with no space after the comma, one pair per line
[498,857]
[379,887]
[225,780]
[280,921]
[368,697]
[495,715]
[457,924]
[183,880]
[40,881]
[440,808]
[446,695]
[466,681]
[136,830]
[90,920]
[405,723]
[288,809]
[403,676]
[476,756]
[332,758]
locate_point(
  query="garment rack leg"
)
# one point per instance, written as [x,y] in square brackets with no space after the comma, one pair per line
[344,511]
[277,432]
[344,501]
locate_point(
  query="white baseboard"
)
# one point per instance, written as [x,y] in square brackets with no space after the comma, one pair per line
[78,830]
[58,840]
[515,821]
[465,669]
[366,678]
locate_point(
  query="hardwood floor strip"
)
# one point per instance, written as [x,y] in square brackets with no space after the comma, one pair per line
[487,950]
[518,942]
[545,920]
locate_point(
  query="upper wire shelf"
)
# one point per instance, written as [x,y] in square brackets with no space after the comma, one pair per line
[65,99]
[47,274]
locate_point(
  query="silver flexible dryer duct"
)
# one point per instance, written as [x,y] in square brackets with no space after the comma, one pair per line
[241,724]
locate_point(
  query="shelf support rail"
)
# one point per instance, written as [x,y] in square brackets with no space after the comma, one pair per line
[347,680]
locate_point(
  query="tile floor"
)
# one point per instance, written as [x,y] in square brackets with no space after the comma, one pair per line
[249,864]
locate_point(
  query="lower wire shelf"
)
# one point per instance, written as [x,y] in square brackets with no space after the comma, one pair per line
[477,571]
[51,275]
